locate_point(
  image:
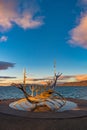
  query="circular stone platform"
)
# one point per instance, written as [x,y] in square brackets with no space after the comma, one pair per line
[79,111]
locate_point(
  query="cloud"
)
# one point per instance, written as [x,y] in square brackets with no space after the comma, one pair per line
[6,77]
[5,65]
[78,35]
[74,78]
[82,3]
[65,77]
[22,13]
[3,38]
[68,78]
[81,77]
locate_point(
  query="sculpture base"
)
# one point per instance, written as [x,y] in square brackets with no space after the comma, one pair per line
[57,105]
[79,111]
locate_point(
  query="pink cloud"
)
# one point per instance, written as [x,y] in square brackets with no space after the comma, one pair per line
[21,13]
[74,78]
[79,33]
[81,77]
[27,22]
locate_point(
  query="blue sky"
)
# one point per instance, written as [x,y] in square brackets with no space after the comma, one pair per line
[34,34]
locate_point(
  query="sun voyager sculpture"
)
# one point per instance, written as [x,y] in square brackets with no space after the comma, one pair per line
[42,98]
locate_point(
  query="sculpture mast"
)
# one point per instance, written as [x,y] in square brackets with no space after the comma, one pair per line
[24,80]
[54,68]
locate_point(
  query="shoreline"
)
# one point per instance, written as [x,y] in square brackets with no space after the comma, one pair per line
[56,86]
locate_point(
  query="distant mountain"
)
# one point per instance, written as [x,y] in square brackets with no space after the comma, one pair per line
[4,84]
[81,83]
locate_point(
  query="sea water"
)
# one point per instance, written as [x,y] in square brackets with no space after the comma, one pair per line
[11,92]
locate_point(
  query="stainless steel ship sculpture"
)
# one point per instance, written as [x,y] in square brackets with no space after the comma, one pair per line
[40,98]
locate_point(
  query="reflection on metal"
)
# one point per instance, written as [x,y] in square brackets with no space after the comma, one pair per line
[24,105]
[41,98]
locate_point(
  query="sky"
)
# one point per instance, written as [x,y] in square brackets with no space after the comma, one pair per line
[34,34]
